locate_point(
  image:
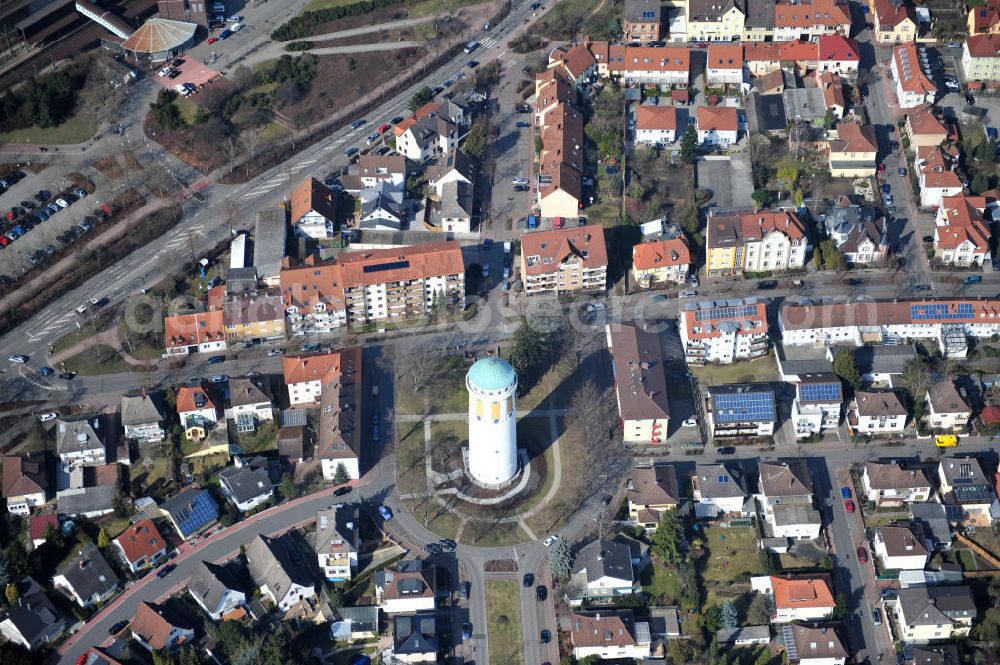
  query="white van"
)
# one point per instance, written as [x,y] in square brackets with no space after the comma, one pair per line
[181,90]
[471,46]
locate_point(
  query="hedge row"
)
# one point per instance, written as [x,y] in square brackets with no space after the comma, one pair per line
[305,23]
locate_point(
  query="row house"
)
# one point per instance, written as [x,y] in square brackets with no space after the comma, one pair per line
[786,500]
[641,21]
[895,22]
[853,151]
[805,20]
[339,436]
[981,57]
[250,317]
[560,160]
[565,260]
[714,20]
[833,93]
[661,262]
[725,64]
[828,53]
[640,384]
[200,332]
[657,125]
[314,210]
[817,404]
[961,234]
[890,484]
[666,66]
[985,19]
[877,412]
[948,322]
[718,125]
[936,174]
[651,491]
[740,242]
[723,332]
[926,127]
[913,86]
[797,597]
[740,410]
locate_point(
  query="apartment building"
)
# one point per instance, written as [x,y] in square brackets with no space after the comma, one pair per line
[803,20]
[565,260]
[314,209]
[714,20]
[253,316]
[981,56]
[817,405]
[305,375]
[740,410]
[913,86]
[936,175]
[949,322]
[754,241]
[201,332]
[640,384]
[641,21]
[961,234]
[723,332]
[313,297]
[661,262]
[895,22]
[926,127]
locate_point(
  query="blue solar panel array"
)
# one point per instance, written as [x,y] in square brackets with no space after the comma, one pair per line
[820,392]
[197,514]
[743,407]
[937,311]
[737,312]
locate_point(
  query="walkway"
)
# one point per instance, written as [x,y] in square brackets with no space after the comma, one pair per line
[107,337]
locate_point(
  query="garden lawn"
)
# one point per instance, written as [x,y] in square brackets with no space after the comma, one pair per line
[732,552]
[660,581]
[77,129]
[503,619]
[101,322]
[761,369]
[101,359]
[411,473]
[316,5]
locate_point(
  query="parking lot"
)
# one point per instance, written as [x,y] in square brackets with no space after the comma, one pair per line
[190,70]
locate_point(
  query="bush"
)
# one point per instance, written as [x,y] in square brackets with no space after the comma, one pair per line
[44,101]
[300,45]
[304,24]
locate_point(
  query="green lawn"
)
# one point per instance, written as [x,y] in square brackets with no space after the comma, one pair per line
[316,5]
[77,129]
[761,369]
[487,534]
[966,559]
[732,552]
[446,394]
[156,479]
[272,132]
[411,472]
[87,329]
[660,581]
[503,619]
[264,438]
[792,562]
[101,359]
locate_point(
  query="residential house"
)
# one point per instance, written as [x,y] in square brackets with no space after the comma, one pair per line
[981,56]
[407,587]
[141,419]
[786,499]
[87,578]
[894,20]
[200,332]
[641,22]
[140,545]
[246,484]
[865,243]
[38,528]
[913,86]
[215,591]
[564,261]
[560,162]
[313,297]
[661,261]
[797,597]
[838,53]
[934,613]
[744,636]
[719,489]
[414,638]
[947,409]
[794,19]
[709,21]
[428,138]
[454,167]
[965,490]
[80,441]
[158,629]
[985,19]
[656,125]
[817,404]
[665,66]
[936,175]
[304,375]
[736,330]
[453,213]
[195,408]
[339,442]
[314,209]
[937,654]
[253,317]
[853,151]
[882,365]
[32,621]
[190,511]
[718,125]
[878,412]
[25,482]
[604,569]
[382,208]
[933,520]
[889,484]
[926,127]
[609,635]
[640,383]
[962,235]
[248,404]
[651,491]
[279,571]
[725,64]
[742,241]
[901,547]
[813,645]
[374,170]
[740,410]
[354,623]
[337,542]
[833,93]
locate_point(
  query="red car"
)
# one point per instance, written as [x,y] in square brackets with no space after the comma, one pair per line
[881,169]
[212,40]
[849,506]
[4,241]
[862,555]
[383,128]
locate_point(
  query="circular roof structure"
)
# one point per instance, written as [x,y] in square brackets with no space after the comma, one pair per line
[158,35]
[492,374]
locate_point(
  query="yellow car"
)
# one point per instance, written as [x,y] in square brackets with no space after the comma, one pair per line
[945,440]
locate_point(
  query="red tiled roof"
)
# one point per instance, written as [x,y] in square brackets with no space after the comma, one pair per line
[923,120]
[807,317]
[837,48]
[984,17]
[828,13]
[661,253]
[186,399]
[801,592]
[423,112]
[656,117]
[150,625]
[853,137]
[833,90]
[963,223]
[984,46]
[911,74]
[433,259]
[990,415]
[191,329]
[747,324]
[39,524]
[23,474]
[554,247]
[309,285]
[313,195]
[725,56]
[718,118]
[891,13]
[315,367]
[141,539]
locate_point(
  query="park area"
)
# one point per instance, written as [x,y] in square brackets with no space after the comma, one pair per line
[503,618]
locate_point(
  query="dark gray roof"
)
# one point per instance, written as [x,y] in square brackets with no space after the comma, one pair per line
[294,418]
[34,616]
[759,13]
[272,561]
[927,606]
[139,410]
[642,11]
[245,392]
[787,478]
[768,113]
[710,10]
[606,558]
[245,483]
[732,635]
[241,280]
[89,574]
[933,519]
[363,618]
[210,583]
[339,523]
[720,480]
[938,654]
[75,435]
[86,500]
[414,633]
[269,241]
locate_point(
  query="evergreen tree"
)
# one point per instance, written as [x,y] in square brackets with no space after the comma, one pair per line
[102,539]
[11,593]
[689,144]
[340,476]
[560,559]
[728,616]
[287,486]
[667,539]
[840,610]
[476,142]
[846,367]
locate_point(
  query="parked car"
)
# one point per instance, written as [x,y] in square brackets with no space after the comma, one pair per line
[18,358]
[215,360]
[166,570]
[398,119]
[528,580]
[45,417]
[522,124]
[118,627]
[687,294]
[690,422]
[876,617]
[357,123]
[384,127]
[849,506]
[385,512]
[465,590]
[466,630]
[767,284]
[225,34]
[211,40]
[62,202]
[541,593]
[350,152]
[373,137]
[546,636]
[448,545]
[341,491]
[972,279]
[46,371]
[551,539]
[862,555]
[845,492]
[67,376]
[727,450]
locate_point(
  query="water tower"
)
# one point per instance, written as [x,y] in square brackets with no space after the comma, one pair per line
[491,383]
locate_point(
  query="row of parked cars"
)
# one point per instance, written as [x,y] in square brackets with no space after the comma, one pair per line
[25,217]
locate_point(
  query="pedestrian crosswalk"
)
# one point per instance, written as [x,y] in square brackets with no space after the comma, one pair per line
[488,42]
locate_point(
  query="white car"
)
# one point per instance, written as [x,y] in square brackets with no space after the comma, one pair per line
[690,422]
[18,358]
[182,90]
[62,203]
[165,71]
[548,541]
[235,27]
[687,294]
[234,19]
[51,415]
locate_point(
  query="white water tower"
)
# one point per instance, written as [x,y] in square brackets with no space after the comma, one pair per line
[491,383]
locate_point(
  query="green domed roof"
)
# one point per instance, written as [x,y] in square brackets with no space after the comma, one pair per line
[492,374]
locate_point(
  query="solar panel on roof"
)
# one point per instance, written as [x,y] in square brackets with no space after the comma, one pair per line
[788,637]
[381,267]
[726,312]
[740,407]
[201,511]
[932,311]
[820,392]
